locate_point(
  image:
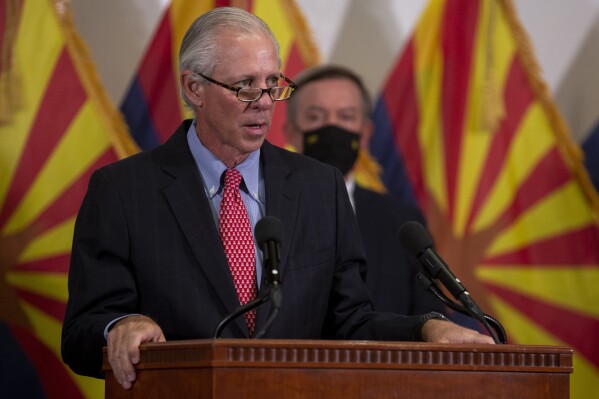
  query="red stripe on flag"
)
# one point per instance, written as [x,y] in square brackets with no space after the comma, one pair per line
[517,97]
[55,264]
[158,83]
[567,325]
[576,247]
[3,21]
[62,101]
[457,38]
[401,100]
[47,305]
[68,203]
[54,377]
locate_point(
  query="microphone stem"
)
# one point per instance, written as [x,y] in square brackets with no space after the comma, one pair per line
[275,299]
[239,311]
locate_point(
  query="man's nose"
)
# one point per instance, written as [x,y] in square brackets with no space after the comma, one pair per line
[333,120]
[265,101]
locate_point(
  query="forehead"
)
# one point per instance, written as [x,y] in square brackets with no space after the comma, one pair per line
[240,51]
[330,93]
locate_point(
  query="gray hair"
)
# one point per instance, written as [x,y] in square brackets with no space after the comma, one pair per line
[199,52]
[322,72]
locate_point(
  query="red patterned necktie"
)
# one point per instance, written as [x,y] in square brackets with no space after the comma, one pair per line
[237,238]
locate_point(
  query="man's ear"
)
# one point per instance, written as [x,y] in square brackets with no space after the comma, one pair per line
[192,89]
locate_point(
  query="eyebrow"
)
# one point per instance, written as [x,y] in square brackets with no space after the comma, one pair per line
[253,78]
[313,107]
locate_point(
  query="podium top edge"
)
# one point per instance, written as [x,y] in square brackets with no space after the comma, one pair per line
[350,344]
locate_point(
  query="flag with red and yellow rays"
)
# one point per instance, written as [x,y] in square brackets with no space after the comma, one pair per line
[56,127]
[466,129]
[152,106]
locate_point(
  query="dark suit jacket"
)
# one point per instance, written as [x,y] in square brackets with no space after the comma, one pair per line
[391,274]
[146,242]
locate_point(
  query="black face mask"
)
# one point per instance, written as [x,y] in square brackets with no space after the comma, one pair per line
[333,145]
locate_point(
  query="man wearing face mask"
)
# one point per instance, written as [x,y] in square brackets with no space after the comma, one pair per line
[328,118]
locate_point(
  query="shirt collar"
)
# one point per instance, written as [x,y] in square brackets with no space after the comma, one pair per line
[211,168]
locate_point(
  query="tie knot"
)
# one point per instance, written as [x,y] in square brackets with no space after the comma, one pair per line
[232,178]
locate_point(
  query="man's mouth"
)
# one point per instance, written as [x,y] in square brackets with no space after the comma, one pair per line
[256,125]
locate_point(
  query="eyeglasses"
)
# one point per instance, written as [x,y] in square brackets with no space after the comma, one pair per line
[250,94]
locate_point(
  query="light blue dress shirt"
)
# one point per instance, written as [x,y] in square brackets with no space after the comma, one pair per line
[252,187]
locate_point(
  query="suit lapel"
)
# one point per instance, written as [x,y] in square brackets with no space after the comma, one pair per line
[281,202]
[188,201]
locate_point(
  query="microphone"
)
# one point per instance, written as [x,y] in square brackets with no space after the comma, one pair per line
[419,243]
[269,232]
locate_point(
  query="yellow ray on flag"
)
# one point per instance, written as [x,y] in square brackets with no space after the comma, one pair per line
[553,279]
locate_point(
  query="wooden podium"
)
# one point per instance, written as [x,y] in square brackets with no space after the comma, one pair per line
[236,369]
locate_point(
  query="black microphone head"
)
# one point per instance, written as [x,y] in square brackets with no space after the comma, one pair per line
[415,238]
[269,228]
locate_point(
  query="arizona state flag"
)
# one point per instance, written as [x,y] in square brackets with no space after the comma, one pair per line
[152,106]
[56,127]
[465,128]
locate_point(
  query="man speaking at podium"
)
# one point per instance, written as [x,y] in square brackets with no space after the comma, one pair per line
[163,246]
